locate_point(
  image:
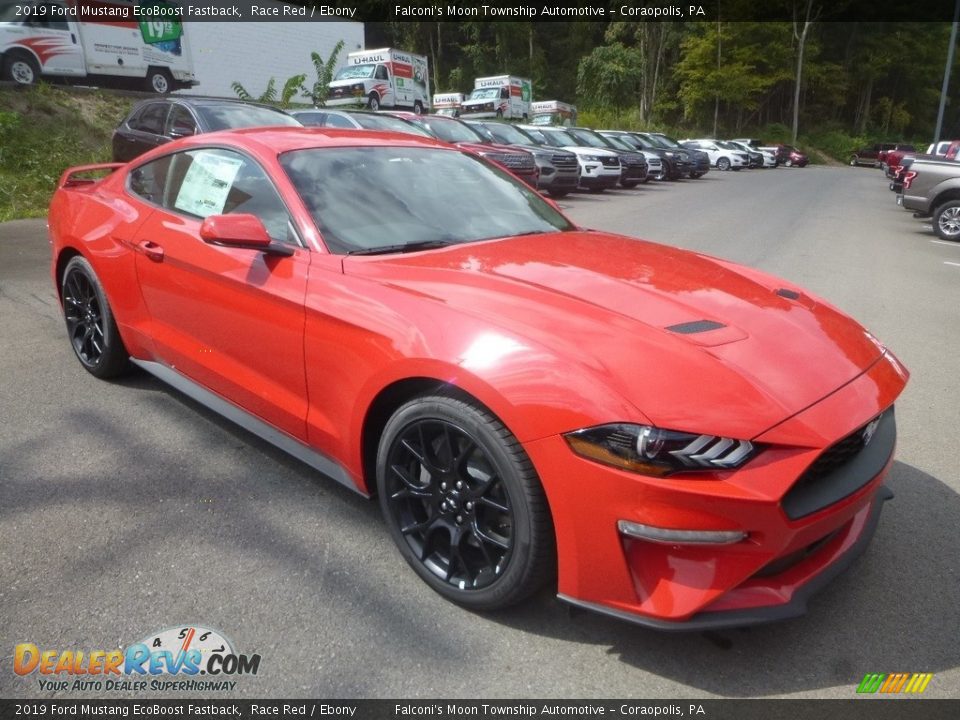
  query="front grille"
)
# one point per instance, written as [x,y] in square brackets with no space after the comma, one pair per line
[843,468]
[633,160]
[515,161]
[610,162]
[564,162]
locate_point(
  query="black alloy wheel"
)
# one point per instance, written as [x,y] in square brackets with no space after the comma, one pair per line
[463,503]
[90,325]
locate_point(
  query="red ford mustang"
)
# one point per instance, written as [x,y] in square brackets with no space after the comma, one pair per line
[678,440]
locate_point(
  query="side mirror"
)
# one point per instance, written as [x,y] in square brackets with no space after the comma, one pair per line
[241,231]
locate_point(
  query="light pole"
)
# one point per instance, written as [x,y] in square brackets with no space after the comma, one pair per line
[946,75]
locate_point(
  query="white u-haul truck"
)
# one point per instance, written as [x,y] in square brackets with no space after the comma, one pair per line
[554,112]
[447,104]
[502,96]
[103,42]
[385,78]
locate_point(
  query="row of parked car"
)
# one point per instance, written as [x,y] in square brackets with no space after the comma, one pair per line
[555,160]
[928,184]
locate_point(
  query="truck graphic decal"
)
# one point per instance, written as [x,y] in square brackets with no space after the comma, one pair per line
[46,47]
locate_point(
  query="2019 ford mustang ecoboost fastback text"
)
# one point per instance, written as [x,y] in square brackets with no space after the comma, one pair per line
[673,439]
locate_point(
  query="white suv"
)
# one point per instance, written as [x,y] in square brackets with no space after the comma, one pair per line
[723,156]
[599,168]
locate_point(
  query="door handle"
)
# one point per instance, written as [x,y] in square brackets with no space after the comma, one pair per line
[151,250]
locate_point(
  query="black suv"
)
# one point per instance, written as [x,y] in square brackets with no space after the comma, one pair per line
[154,122]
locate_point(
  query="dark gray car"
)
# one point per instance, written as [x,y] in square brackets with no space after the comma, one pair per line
[152,123]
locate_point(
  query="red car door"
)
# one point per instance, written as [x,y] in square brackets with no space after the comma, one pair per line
[230,319]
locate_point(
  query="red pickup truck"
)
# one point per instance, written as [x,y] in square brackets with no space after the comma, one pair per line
[876,155]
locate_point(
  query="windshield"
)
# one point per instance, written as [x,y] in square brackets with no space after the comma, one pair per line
[386,122]
[237,115]
[665,141]
[482,132]
[559,138]
[449,130]
[585,137]
[508,134]
[618,142]
[485,94]
[356,72]
[417,196]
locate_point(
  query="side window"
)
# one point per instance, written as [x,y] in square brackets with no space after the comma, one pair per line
[504,93]
[148,180]
[180,123]
[212,181]
[150,119]
[336,121]
[381,73]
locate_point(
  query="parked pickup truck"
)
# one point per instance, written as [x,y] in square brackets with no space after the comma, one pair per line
[931,189]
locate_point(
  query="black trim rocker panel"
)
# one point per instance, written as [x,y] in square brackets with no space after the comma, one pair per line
[289,444]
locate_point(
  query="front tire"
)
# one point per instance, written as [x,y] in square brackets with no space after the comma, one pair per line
[418,108]
[695,175]
[90,323]
[854,161]
[463,503]
[723,164]
[373,102]
[946,220]
[789,163]
[21,69]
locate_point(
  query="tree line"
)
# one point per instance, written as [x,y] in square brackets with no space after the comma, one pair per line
[859,80]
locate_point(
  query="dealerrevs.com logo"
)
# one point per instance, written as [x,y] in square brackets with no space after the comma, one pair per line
[170,660]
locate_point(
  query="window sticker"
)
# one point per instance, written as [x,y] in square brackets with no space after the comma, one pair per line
[207,184]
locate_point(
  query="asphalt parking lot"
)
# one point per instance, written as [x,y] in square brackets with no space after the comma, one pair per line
[126,508]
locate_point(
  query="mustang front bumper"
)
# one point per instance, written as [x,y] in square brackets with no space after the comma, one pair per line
[799,533]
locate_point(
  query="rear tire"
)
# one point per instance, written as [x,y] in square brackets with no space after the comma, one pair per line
[946,220]
[558,193]
[159,81]
[91,327]
[21,69]
[418,108]
[463,503]
[789,163]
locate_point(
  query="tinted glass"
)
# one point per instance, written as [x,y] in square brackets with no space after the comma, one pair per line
[508,134]
[388,123]
[149,180]
[337,121]
[151,118]
[418,196]
[584,137]
[236,115]
[450,131]
[180,122]
[311,119]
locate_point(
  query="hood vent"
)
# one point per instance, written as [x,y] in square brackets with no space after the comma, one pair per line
[696,326]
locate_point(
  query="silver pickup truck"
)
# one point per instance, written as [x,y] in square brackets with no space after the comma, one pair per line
[931,188]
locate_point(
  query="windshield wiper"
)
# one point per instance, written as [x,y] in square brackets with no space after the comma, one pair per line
[402,247]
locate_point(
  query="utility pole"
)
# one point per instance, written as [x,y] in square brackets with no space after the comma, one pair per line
[946,75]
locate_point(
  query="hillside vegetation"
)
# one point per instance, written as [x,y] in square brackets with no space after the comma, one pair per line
[44,130]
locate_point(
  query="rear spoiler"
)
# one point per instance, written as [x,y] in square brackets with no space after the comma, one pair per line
[68,178]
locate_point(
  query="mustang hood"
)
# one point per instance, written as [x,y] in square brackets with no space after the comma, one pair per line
[678,334]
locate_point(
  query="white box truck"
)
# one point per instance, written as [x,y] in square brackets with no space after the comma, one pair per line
[385,78]
[554,112]
[448,104]
[100,41]
[502,96]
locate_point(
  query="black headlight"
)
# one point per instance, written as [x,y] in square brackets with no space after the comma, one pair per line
[653,451]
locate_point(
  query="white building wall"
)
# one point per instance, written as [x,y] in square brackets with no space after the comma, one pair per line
[253,52]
